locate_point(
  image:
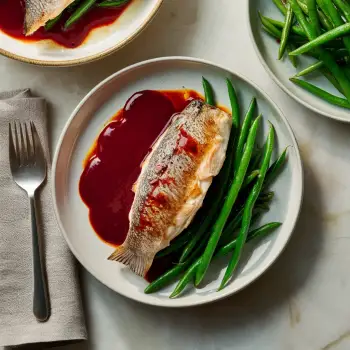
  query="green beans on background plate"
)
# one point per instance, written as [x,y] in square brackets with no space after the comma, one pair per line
[326,96]
[322,39]
[285,31]
[237,198]
[79,8]
[320,29]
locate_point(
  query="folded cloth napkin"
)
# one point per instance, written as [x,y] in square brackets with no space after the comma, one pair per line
[17,323]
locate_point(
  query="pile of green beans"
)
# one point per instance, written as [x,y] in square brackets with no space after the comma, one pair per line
[78,8]
[236,199]
[317,28]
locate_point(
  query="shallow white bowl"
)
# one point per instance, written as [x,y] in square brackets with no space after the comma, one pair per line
[86,123]
[100,42]
[267,49]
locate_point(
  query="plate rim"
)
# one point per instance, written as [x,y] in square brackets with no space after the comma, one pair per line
[213,296]
[278,81]
[90,58]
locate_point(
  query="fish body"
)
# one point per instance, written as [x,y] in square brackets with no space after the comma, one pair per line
[173,182]
[38,12]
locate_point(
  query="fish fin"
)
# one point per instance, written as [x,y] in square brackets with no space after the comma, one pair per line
[139,264]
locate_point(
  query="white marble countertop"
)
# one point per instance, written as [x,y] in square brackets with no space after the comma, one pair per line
[303,301]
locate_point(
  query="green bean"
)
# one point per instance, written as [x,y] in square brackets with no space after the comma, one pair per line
[323,8]
[324,56]
[253,234]
[303,6]
[173,273]
[277,35]
[79,12]
[234,224]
[52,22]
[267,24]
[328,75]
[322,39]
[285,31]
[112,3]
[341,54]
[250,178]
[223,251]
[234,104]
[314,19]
[347,71]
[244,133]
[256,158]
[344,7]
[229,202]
[337,20]
[326,96]
[293,59]
[268,196]
[208,91]
[166,278]
[248,209]
[312,68]
[326,23]
[295,29]
[176,244]
[186,278]
[281,6]
[73,5]
[275,168]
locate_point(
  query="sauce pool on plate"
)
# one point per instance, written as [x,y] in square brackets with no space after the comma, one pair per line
[12,14]
[114,162]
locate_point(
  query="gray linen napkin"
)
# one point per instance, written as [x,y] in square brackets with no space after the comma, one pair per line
[17,323]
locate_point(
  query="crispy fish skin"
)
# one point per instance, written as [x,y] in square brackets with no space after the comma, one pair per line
[174,180]
[38,12]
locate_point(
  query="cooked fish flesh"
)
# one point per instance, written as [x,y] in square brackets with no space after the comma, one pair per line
[173,182]
[38,12]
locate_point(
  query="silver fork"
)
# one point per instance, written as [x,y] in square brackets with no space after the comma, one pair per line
[28,168]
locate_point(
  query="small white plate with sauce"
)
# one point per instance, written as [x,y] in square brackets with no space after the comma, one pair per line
[77,141]
[266,48]
[109,30]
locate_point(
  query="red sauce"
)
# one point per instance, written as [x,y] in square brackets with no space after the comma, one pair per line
[186,143]
[113,164]
[12,18]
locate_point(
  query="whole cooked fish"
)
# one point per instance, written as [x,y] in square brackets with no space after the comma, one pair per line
[38,12]
[174,180]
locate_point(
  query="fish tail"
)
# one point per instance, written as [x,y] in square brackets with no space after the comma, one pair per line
[139,264]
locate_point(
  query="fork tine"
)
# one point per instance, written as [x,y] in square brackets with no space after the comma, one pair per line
[39,153]
[12,151]
[24,153]
[31,124]
[18,150]
[30,146]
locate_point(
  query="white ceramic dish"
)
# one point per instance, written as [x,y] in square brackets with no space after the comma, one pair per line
[100,42]
[267,48]
[84,126]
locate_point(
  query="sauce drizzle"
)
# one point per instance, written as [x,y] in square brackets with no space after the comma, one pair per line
[12,13]
[113,164]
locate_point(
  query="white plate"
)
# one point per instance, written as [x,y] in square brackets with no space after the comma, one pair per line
[267,49]
[100,42]
[85,125]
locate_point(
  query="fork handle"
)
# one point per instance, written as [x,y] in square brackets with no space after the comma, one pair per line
[41,308]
